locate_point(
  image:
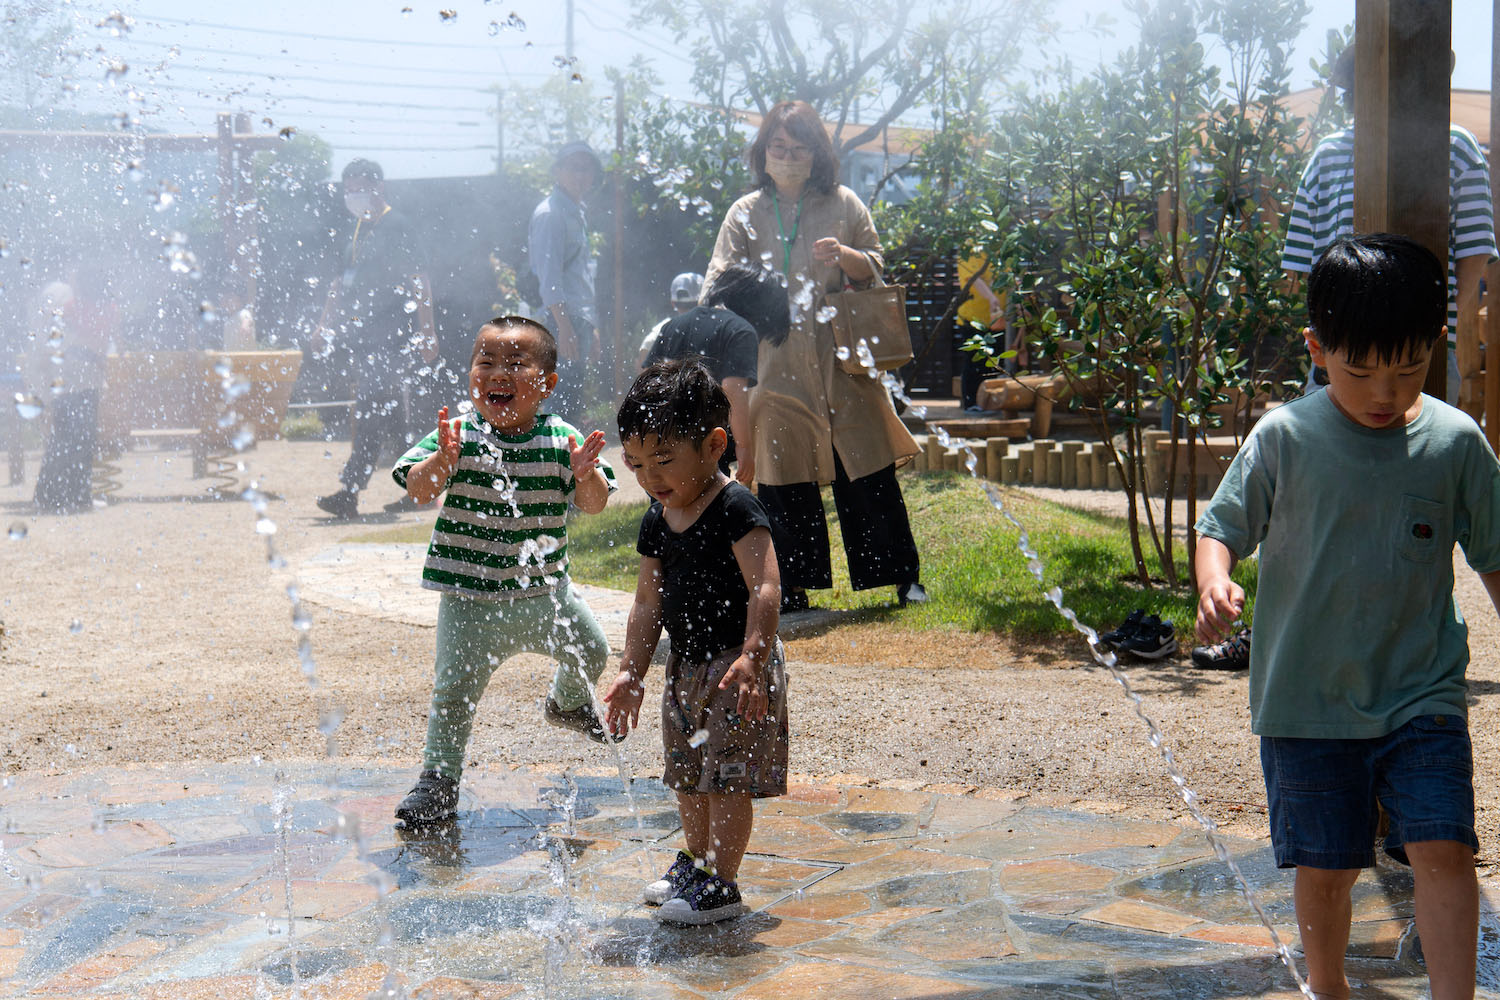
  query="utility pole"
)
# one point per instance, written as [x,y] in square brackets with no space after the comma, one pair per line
[571,115]
[499,131]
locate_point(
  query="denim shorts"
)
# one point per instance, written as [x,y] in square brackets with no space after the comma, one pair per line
[1323,794]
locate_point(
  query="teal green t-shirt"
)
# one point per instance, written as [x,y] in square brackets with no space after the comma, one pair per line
[1355,630]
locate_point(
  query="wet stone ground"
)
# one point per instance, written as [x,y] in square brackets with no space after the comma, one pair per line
[231,882]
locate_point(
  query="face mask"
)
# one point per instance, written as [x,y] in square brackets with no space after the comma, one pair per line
[789,174]
[361,204]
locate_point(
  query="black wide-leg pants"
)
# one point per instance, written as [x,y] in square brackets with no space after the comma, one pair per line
[872,518]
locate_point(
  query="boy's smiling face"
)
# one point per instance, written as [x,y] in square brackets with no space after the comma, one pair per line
[675,472]
[506,380]
[1373,393]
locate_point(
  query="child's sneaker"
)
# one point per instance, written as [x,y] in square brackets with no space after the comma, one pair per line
[581,719]
[704,901]
[1126,629]
[684,872]
[1152,640]
[1231,654]
[433,799]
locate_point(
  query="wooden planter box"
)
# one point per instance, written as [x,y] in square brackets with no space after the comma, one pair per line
[271,375]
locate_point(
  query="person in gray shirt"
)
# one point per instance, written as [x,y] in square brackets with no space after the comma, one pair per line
[559,256]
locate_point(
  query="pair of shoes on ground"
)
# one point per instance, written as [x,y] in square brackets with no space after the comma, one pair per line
[582,719]
[911,593]
[1231,654]
[687,894]
[1142,635]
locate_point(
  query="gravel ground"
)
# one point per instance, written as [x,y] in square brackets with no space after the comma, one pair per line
[155,630]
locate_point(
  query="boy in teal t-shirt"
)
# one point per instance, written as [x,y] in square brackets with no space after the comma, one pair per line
[1355,497]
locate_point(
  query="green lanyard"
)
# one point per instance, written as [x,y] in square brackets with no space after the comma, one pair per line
[786,244]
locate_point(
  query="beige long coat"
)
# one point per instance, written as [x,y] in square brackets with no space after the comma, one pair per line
[805,406]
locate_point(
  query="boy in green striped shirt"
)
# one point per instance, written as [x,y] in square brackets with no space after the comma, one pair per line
[499,550]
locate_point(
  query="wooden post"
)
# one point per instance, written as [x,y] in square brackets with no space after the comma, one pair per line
[996,448]
[225,150]
[1401,91]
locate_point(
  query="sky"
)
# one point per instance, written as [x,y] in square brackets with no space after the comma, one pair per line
[403,82]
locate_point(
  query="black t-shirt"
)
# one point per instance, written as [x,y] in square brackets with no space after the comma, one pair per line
[725,342]
[378,282]
[704,598]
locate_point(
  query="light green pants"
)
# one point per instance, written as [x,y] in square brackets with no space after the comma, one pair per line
[475,635]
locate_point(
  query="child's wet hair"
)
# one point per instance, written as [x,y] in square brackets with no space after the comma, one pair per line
[674,400]
[546,354]
[1379,292]
[755,295]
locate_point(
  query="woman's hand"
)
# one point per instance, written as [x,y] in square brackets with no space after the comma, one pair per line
[828,250]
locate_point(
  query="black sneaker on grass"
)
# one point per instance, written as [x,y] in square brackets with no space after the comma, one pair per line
[1231,654]
[705,901]
[683,873]
[433,799]
[1124,631]
[581,720]
[1152,640]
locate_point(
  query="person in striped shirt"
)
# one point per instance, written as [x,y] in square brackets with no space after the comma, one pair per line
[1323,211]
[499,550]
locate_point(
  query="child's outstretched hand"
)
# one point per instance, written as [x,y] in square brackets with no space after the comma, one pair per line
[753,701]
[1220,603]
[585,457]
[624,703]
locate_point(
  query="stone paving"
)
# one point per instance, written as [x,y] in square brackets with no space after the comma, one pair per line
[244,881]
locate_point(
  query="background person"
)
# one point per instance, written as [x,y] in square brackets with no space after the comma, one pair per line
[559,255]
[813,422]
[744,307]
[1323,211]
[686,289]
[984,309]
[381,305]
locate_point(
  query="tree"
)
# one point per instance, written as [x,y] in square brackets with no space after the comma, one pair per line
[847,59]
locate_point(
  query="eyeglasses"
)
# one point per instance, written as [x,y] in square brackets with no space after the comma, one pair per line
[782,151]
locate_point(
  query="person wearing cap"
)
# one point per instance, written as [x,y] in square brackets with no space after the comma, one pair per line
[686,288]
[558,254]
[1323,211]
[380,312]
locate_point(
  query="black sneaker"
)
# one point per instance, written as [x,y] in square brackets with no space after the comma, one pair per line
[684,872]
[911,593]
[581,719]
[433,799]
[1231,654]
[705,901]
[1126,629]
[343,505]
[1152,640]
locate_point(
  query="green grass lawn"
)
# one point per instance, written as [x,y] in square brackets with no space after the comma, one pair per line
[976,576]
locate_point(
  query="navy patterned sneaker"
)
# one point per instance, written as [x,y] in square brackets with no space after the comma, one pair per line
[684,872]
[1152,640]
[705,901]
[1231,654]
[1126,629]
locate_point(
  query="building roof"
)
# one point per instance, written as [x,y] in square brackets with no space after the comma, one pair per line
[1469,108]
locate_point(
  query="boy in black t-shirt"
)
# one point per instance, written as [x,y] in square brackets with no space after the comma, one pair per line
[708,574]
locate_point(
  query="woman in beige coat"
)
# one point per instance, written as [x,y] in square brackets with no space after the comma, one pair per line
[815,423]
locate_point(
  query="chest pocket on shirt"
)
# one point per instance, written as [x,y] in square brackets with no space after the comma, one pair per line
[1423,529]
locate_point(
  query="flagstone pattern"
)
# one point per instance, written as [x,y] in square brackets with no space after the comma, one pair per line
[248,882]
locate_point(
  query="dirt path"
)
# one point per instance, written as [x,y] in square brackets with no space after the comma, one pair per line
[156,631]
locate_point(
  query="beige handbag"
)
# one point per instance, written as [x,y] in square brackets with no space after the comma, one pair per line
[875,315]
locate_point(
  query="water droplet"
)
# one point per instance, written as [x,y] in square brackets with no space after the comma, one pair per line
[698,739]
[448,15]
[17,532]
[287,132]
[75,626]
[301,620]
[28,407]
[410,306]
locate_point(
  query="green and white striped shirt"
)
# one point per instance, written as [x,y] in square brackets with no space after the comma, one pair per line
[503,529]
[1324,207]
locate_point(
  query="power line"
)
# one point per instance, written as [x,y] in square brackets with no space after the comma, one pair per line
[273,77]
[282,33]
[275,98]
[636,36]
[288,57]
